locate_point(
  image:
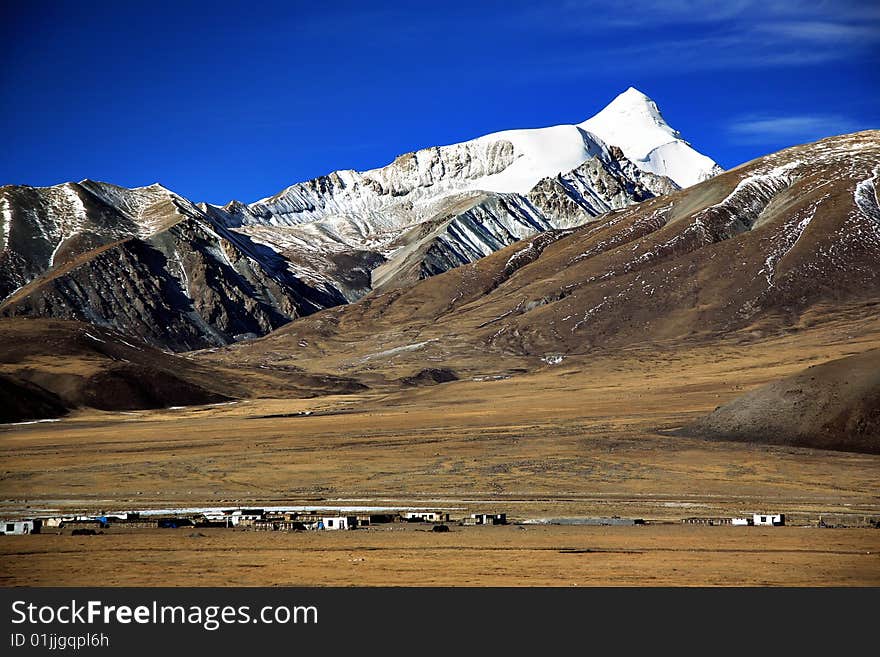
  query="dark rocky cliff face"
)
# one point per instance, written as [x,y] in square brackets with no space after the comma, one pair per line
[43,227]
[597,186]
[188,287]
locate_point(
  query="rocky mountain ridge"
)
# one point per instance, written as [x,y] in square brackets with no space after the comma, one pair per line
[182,276]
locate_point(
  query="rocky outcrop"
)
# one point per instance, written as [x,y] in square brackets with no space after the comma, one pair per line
[597,186]
[430,376]
[470,227]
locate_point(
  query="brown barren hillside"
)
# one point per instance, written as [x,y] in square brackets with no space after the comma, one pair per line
[50,366]
[53,366]
[773,246]
[835,405]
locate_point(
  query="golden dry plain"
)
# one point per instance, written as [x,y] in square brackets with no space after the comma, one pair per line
[582,438]
[653,555]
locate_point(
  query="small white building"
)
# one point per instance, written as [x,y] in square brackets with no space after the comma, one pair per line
[234,517]
[768,519]
[489,518]
[426,516]
[229,518]
[741,522]
[337,522]
[19,527]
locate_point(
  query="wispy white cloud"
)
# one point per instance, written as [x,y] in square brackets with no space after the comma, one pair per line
[822,31]
[756,129]
[693,35]
[660,12]
[639,13]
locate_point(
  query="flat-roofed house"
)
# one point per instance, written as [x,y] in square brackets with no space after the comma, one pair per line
[426,516]
[337,522]
[769,519]
[489,518]
[19,527]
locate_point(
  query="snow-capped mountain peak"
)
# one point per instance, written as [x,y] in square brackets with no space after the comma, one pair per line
[636,109]
[633,122]
[511,161]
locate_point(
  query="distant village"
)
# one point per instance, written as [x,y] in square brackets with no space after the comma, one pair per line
[244,518]
[277,519]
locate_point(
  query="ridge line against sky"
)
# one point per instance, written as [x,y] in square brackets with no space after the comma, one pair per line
[226,100]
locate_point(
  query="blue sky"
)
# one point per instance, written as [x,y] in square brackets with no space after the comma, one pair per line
[226,100]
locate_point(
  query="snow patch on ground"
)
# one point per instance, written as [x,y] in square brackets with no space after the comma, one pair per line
[17,424]
[522,254]
[58,248]
[539,153]
[5,222]
[791,233]
[128,344]
[590,312]
[398,350]
[76,205]
[865,197]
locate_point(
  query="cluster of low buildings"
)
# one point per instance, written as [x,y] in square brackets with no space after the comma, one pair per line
[255,519]
[757,519]
[320,520]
